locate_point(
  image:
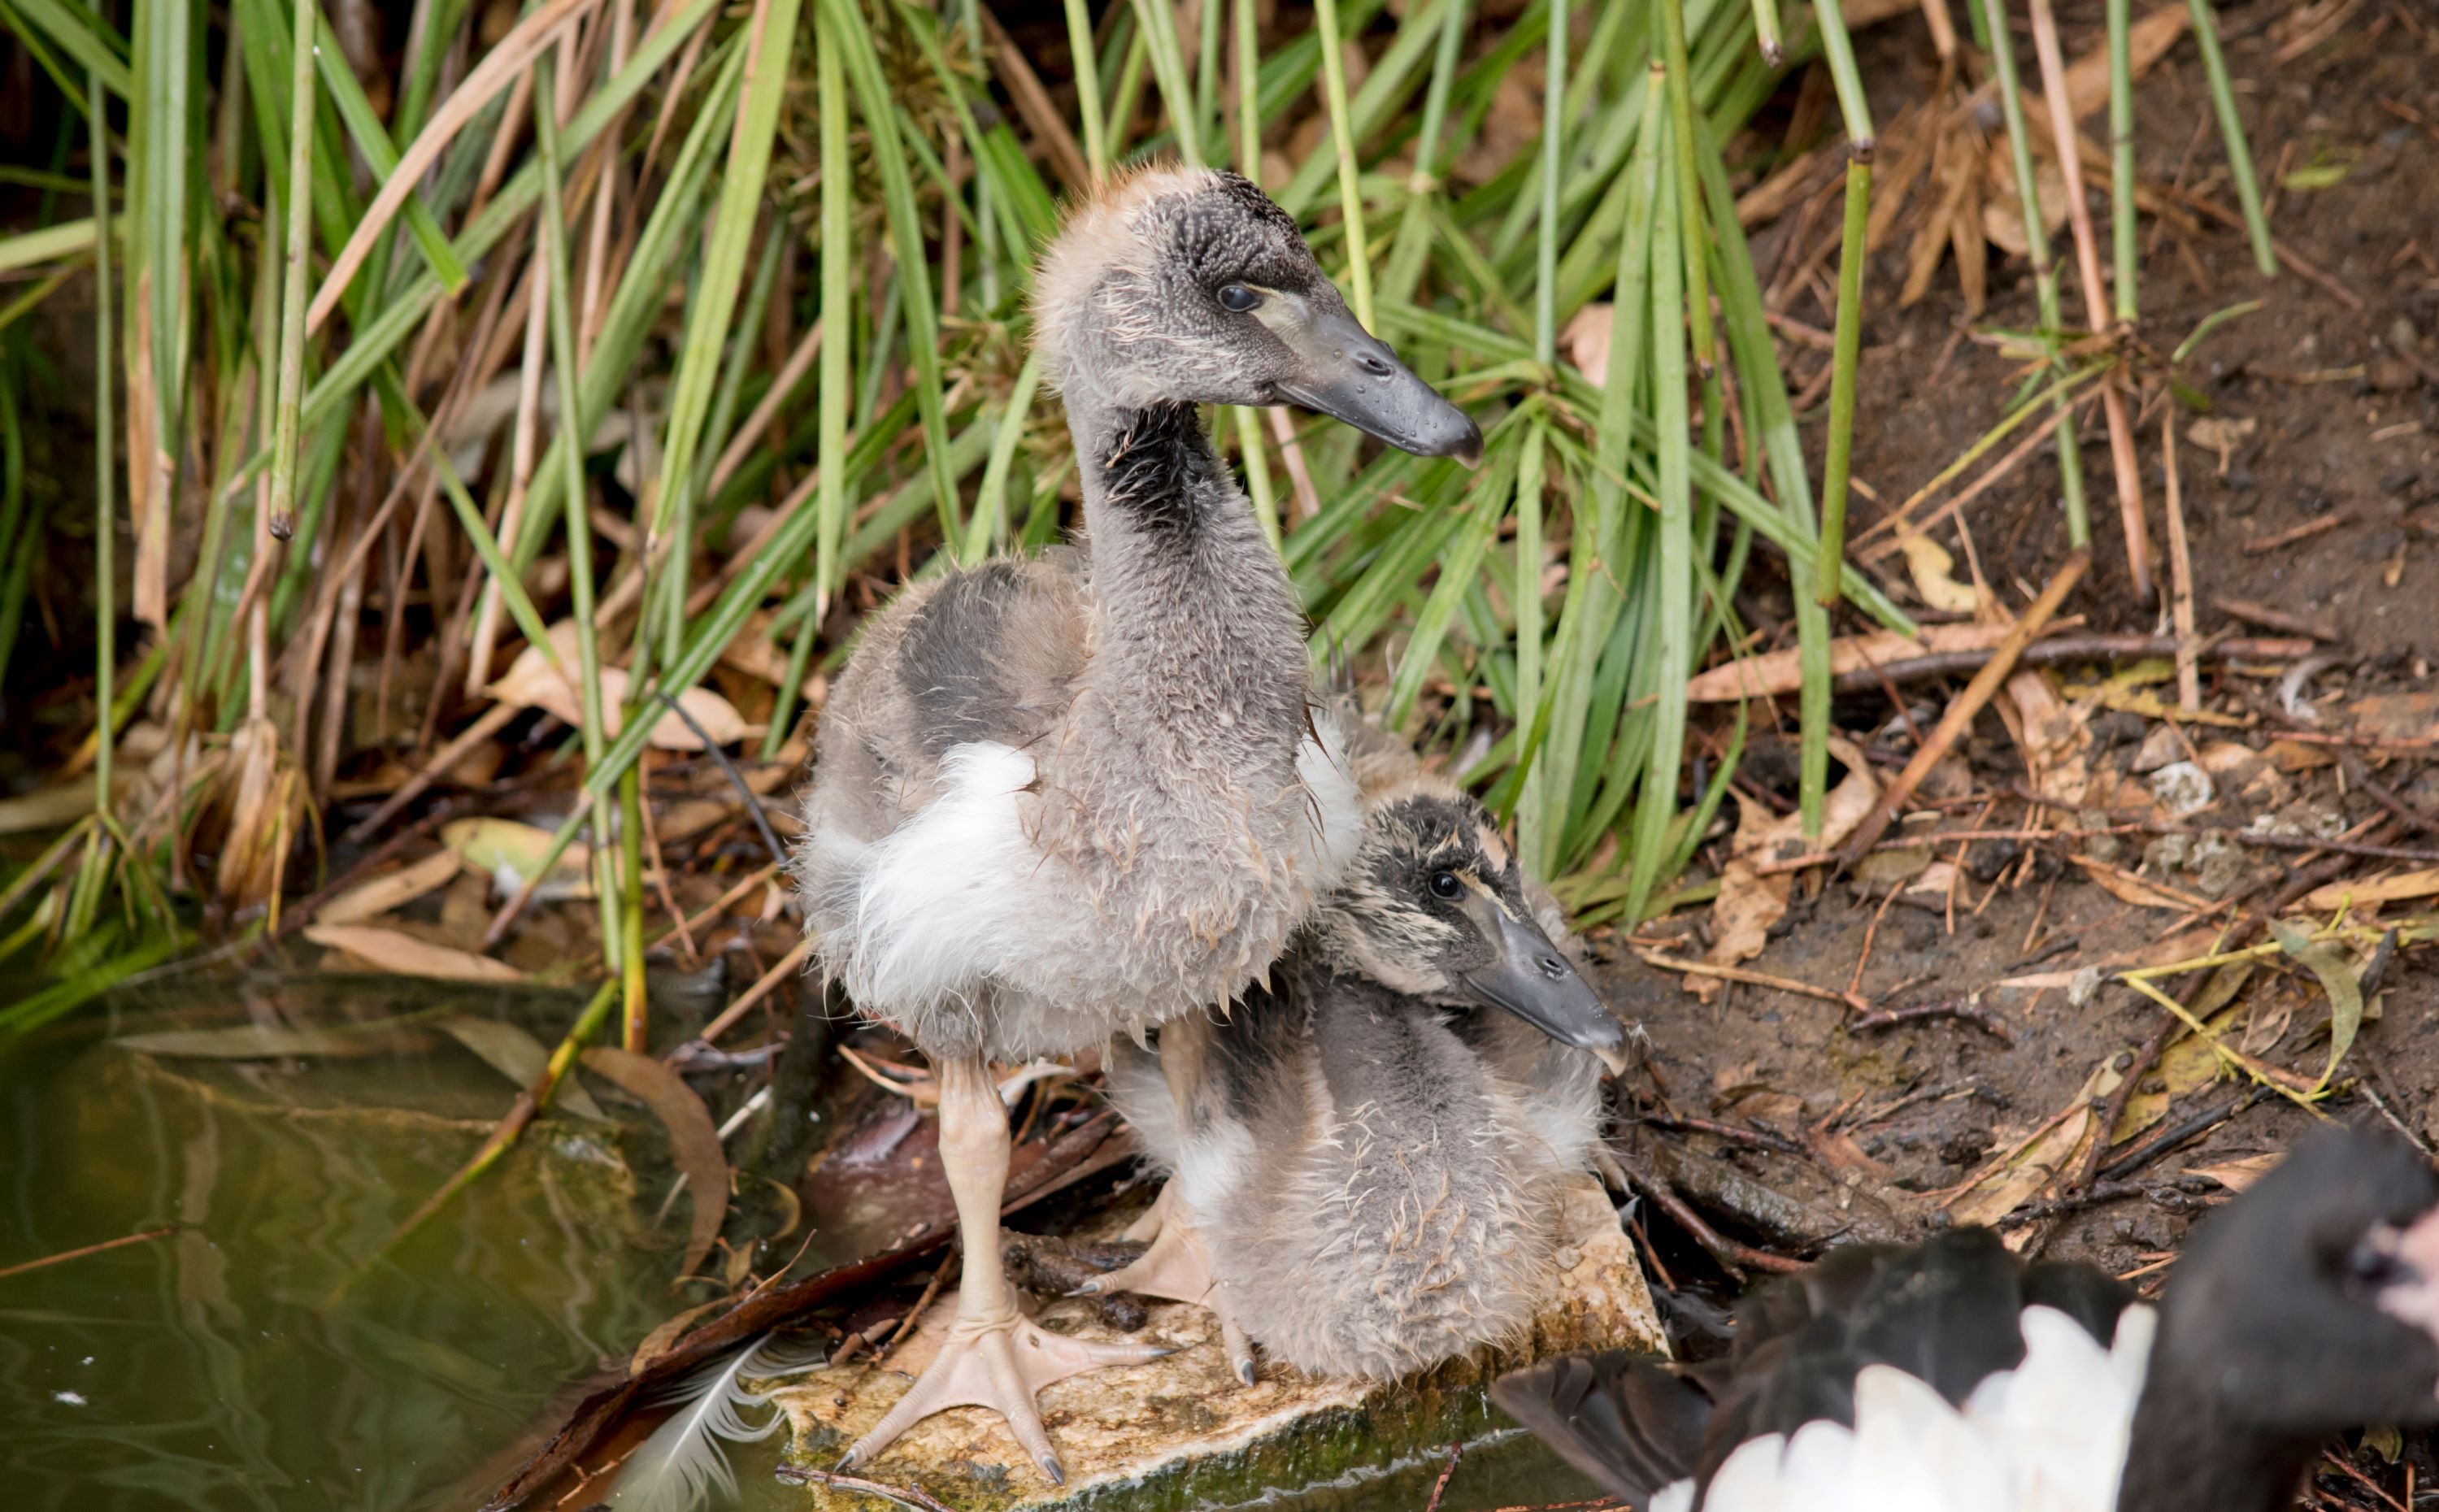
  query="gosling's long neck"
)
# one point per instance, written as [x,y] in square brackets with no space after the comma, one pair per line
[1199,640]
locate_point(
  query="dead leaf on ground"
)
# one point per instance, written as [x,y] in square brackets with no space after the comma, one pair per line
[2142,892]
[1933,568]
[390,890]
[2055,742]
[2240,1173]
[533,683]
[1586,338]
[2389,889]
[2011,1180]
[694,1140]
[2222,434]
[1777,672]
[387,950]
[1751,902]
[2397,716]
[2337,977]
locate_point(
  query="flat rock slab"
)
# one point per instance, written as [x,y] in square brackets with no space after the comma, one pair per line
[1181,1432]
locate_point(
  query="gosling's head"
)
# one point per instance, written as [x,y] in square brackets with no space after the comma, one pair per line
[1189,285]
[1434,907]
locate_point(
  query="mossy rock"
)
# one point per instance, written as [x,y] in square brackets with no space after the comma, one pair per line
[1181,1432]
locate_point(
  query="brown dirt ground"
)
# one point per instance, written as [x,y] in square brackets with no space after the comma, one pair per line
[2345,394]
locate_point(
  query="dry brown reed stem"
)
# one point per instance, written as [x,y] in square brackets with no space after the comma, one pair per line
[605,194]
[1995,474]
[2096,298]
[509,63]
[1307,498]
[1962,710]
[1034,104]
[82,1251]
[785,967]
[749,434]
[490,724]
[1853,1001]
[2180,568]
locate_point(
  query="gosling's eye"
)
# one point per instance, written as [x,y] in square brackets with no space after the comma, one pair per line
[1236,298]
[1444,884]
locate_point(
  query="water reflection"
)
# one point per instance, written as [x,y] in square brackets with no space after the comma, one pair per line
[255,1359]
[267,1356]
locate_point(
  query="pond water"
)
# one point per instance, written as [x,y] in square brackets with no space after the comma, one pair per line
[270,1353]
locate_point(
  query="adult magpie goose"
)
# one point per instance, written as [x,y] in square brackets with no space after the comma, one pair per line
[1951,1374]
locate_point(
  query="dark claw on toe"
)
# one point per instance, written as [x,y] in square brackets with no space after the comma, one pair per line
[1090,1288]
[1245,1370]
[1050,1467]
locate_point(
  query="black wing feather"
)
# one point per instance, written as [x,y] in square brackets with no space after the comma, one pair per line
[1623,1418]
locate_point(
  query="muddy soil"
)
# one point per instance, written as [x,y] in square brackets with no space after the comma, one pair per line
[2338,380]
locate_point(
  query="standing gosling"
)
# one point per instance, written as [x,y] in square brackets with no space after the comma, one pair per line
[1056,799]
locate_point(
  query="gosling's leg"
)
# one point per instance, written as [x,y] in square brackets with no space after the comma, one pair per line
[994,1356]
[1178,1267]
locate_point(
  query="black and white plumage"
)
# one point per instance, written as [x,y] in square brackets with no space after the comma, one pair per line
[1362,1180]
[1059,799]
[1951,1376]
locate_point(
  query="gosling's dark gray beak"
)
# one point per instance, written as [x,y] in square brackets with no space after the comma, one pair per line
[1531,980]
[1349,374]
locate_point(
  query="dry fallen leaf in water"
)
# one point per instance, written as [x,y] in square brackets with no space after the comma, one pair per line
[519,1056]
[388,950]
[694,1140]
[263,1042]
[510,854]
[531,680]
[389,890]
[1750,900]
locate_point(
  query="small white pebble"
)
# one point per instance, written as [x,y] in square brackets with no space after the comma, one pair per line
[68,1398]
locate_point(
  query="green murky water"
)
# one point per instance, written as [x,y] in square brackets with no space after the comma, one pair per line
[269,1356]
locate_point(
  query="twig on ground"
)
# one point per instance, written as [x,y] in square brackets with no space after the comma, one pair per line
[2270,618]
[1730,1256]
[1752,978]
[909,1495]
[2170,1194]
[1677,1125]
[1963,708]
[2301,532]
[2180,570]
[2304,880]
[752,800]
[1959,1008]
[2177,1134]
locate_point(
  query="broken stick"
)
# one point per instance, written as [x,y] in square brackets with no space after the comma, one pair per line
[1960,713]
